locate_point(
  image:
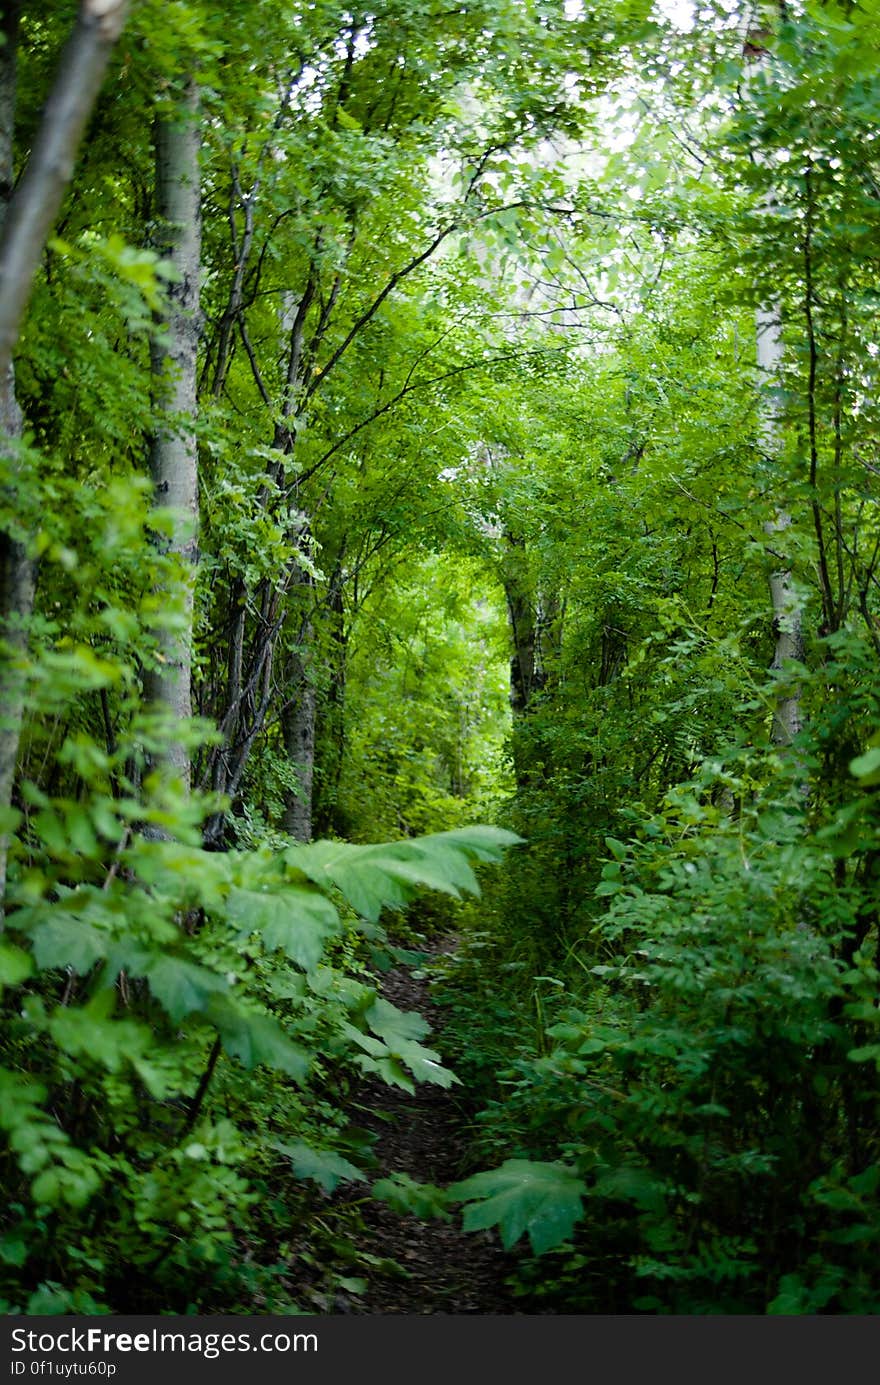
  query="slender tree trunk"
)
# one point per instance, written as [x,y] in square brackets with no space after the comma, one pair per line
[298,729]
[787,620]
[174,455]
[521,620]
[786,606]
[26,218]
[330,735]
[9,20]
[299,716]
[34,206]
[525,674]
[16,568]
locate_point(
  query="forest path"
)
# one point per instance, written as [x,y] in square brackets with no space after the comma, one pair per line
[447,1271]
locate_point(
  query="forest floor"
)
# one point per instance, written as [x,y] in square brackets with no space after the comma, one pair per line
[445,1270]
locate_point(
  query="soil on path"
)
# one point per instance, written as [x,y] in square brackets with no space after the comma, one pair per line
[447,1271]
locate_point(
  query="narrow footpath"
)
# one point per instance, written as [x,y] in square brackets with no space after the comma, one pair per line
[447,1271]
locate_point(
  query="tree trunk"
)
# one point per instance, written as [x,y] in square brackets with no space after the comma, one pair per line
[298,729]
[787,624]
[28,214]
[9,20]
[521,620]
[174,454]
[16,569]
[330,735]
[34,206]
[786,607]
[525,671]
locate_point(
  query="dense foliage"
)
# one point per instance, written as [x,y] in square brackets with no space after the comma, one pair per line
[424,475]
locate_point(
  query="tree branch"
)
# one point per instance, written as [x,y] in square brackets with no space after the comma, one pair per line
[37,199]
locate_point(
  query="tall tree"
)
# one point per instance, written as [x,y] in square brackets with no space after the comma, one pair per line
[174,453]
[28,214]
[787,617]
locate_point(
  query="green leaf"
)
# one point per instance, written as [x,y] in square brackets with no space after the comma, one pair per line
[865,1054]
[424,1063]
[394,1025]
[521,1196]
[400,1031]
[74,1181]
[254,1038]
[867,767]
[68,942]
[296,922]
[16,965]
[182,987]
[18,1097]
[388,875]
[407,1197]
[352,1284]
[184,873]
[88,1031]
[13,1250]
[327,1168]
[390,1069]
[631,1185]
[48,1300]
[866,1183]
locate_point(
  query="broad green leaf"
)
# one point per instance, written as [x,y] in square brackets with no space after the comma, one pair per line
[72,1183]
[406,1196]
[521,1196]
[866,767]
[608,887]
[13,1250]
[296,922]
[254,1038]
[866,1183]
[367,889]
[159,1081]
[16,965]
[88,1031]
[48,1300]
[423,1063]
[631,1185]
[394,1025]
[185,873]
[400,1031]
[18,1098]
[353,1283]
[388,875]
[375,1047]
[327,1168]
[390,1069]
[181,986]
[68,942]
[865,1054]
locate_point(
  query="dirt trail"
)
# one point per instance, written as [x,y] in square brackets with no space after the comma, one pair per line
[424,1136]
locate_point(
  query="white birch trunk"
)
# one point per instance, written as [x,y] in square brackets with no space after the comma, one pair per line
[174,454]
[787,622]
